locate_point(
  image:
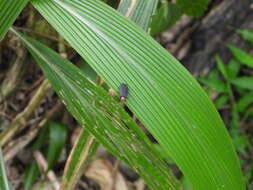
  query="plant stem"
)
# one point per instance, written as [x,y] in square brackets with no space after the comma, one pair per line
[21,118]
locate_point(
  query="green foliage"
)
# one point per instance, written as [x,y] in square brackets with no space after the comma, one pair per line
[163,95]
[57,141]
[102,116]
[234,90]
[9,10]
[51,141]
[221,101]
[85,145]
[241,56]
[80,155]
[245,100]
[243,82]
[30,175]
[186,184]
[214,83]
[139,12]
[233,68]
[193,7]
[4,183]
[246,35]
[88,71]
[221,67]
[166,15]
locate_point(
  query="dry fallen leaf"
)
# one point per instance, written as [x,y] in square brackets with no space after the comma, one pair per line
[102,172]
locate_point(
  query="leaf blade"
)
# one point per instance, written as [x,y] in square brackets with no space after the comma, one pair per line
[93,107]
[243,82]
[79,157]
[166,15]
[241,56]
[57,140]
[9,12]
[246,35]
[183,115]
[4,183]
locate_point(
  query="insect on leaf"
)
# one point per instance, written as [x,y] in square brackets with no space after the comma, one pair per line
[162,93]
[102,116]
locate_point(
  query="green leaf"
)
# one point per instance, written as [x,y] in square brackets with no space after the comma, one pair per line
[215,84]
[213,74]
[4,183]
[30,175]
[166,15]
[246,35]
[97,112]
[243,82]
[9,12]
[32,171]
[241,56]
[88,71]
[139,11]
[193,7]
[186,184]
[41,139]
[57,141]
[245,101]
[233,68]
[241,143]
[221,66]
[85,146]
[162,93]
[221,101]
[80,155]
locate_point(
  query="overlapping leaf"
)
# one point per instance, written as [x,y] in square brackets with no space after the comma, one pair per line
[163,95]
[102,116]
[9,10]
[166,15]
[86,145]
[138,11]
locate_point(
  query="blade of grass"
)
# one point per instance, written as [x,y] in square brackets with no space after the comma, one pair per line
[221,67]
[223,70]
[57,140]
[30,175]
[247,35]
[243,82]
[245,101]
[102,116]
[242,56]
[80,155]
[4,183]
[233,68]
[9,12]
[163,95]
